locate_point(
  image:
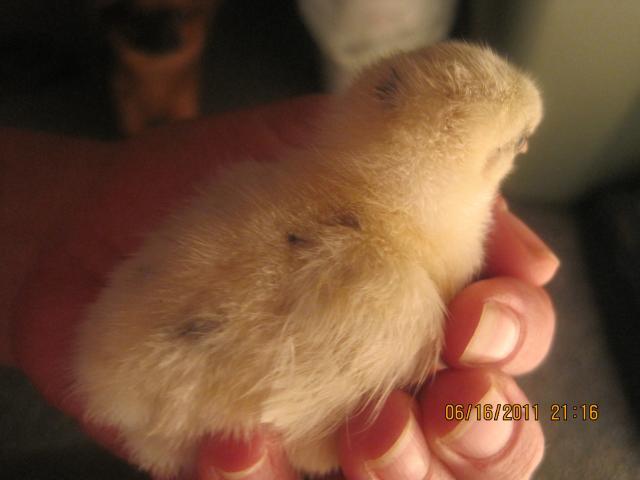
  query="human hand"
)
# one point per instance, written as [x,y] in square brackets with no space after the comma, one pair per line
[497,327]
[411,439]
[150,175]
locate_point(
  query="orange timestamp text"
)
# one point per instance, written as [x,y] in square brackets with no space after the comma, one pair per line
[557,412]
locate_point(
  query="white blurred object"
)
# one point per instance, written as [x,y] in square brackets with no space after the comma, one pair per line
[353,33]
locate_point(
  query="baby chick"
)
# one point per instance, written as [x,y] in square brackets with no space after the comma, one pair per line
[291,293]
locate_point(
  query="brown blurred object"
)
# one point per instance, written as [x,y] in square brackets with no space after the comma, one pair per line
[157,46]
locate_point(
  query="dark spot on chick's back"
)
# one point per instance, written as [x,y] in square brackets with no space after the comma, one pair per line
[197,328]
[341,219]
[386,91]
[293,239]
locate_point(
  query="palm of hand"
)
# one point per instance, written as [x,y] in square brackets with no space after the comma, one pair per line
[148,177]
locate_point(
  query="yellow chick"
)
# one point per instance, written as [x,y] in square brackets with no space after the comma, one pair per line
[291,293]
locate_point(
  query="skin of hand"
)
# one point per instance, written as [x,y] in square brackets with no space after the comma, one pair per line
[93,203]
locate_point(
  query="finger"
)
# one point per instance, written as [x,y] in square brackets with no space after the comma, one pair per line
[258,457]
[389,447]
[514,250]
[494,449]
[500,322]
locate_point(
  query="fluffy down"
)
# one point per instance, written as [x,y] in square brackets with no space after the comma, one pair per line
[294,292]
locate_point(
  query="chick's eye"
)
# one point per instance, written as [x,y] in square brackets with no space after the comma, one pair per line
[522,144]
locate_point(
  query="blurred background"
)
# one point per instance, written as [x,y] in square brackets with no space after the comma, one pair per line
[579,185]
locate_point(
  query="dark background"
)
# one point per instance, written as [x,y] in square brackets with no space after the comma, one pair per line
[54,64]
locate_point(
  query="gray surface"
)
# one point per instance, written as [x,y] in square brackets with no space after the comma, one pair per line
[247,66]
[579,370]
[39,443]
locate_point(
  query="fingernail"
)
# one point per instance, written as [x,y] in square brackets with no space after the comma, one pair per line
[261,470]
[407,459]
[480,439]
[495,337]
[533,242]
